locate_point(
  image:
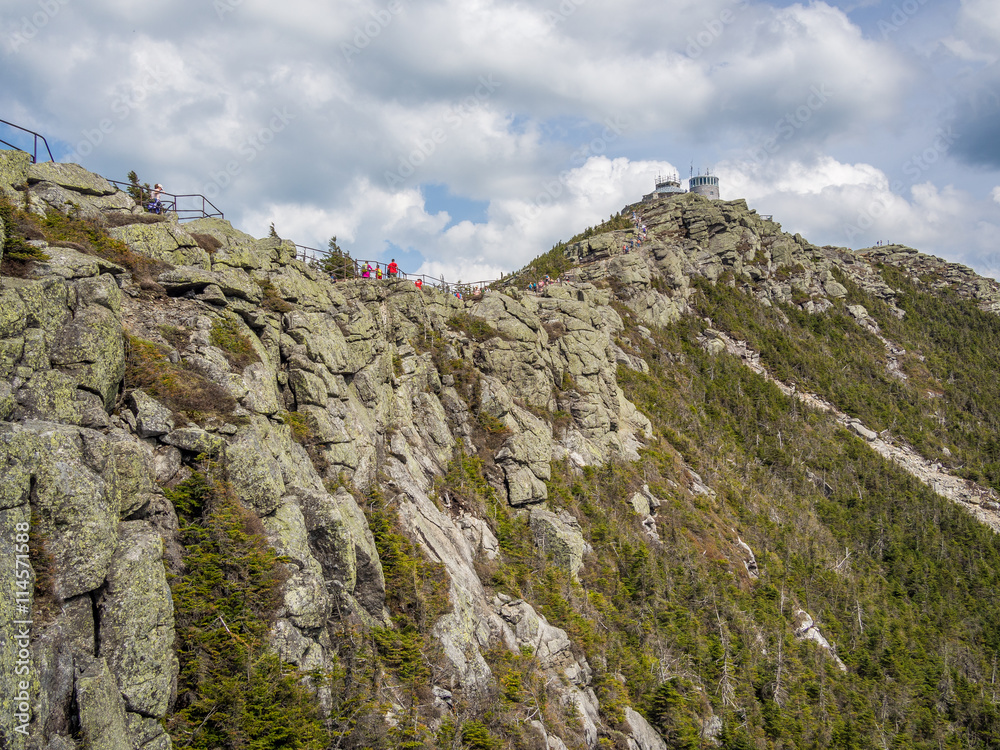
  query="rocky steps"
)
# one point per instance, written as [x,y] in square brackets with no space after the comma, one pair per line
[383,373]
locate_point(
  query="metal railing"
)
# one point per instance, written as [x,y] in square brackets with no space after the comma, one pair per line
[195,205]
[34,148]
[341,267]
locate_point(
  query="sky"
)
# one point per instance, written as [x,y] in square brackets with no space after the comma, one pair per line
[465,137]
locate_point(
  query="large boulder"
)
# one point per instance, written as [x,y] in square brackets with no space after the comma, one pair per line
[101,709]
[343,543]
[307,603]
[70,176]
[137,621]
[253,472]
[91,348]
[49,395]
[231,282]
[77,516]
[642,736]
[560,536]
[14,166]
[68,263]
[45,194]
[166,241]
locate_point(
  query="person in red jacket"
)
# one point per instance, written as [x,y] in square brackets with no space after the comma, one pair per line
[393,268]
[419,283]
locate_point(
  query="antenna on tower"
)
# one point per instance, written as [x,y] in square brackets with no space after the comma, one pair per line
[692,169]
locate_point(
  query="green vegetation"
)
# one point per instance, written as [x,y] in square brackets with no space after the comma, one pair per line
[416,596]
[273,301]
[17,230]
[84,235]
[900,580]
[229,336]
[614,222]
[947,400]
[176,385]
[905,585]
[553,264]
[476,329]
[337,264]
[139,192]
[232,692]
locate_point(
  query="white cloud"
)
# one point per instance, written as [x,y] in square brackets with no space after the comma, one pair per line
[809,115]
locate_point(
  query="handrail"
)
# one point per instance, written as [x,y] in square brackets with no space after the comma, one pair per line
[182,213]
[34,151]
[353,268]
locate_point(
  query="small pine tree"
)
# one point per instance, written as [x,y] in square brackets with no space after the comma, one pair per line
[338,263]
[140,193]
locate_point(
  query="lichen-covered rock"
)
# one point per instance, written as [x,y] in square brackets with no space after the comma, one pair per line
[12,313]
[137,621]
[252,471]
[322,340]
[191,278]
[165,241]
[306,602]
[101,709]
[261,388]
[241,250]
[560,536]
[70,176]
[13,521]
[91,347]
[151,417]
[147,733]
[642,736]
[51,396]
[46,302]
[194,440]
[76,514]
[71,201]
[14,166]
[547,643]
[128,473]
[343,544]
[67,263]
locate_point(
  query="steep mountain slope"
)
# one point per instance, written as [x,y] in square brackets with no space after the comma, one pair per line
[725,490]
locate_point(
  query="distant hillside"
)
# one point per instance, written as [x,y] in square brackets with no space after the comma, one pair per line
[720,488]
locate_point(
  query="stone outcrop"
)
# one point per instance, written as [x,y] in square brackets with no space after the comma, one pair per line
[807,630]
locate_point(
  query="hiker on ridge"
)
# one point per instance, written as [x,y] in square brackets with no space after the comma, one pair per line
[154,206]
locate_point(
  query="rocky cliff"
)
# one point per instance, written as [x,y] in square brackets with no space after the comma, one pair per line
[414,466]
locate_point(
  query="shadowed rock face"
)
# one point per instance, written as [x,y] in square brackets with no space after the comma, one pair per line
[391,390]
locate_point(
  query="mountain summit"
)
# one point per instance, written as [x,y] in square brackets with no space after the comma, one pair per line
[686,481]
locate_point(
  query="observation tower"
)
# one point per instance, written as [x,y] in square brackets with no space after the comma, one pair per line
[705,184]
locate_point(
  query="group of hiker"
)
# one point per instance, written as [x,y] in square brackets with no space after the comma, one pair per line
[537,286]
[375,272]
[640,229]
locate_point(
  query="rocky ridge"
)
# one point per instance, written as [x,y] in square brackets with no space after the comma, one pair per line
[395,384]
